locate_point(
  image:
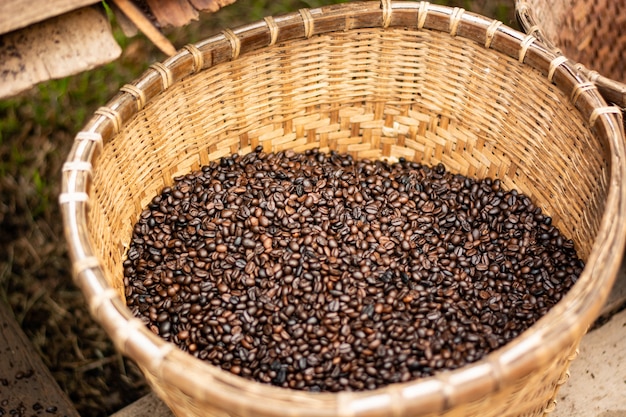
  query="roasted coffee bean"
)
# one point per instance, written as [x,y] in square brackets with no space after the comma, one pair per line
[319,272]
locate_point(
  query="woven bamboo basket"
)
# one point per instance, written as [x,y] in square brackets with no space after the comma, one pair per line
[398,79]
[590,32]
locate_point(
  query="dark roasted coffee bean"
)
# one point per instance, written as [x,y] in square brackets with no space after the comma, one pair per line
[319,272]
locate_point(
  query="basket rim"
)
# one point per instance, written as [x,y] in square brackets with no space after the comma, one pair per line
[613,90]
[433,394]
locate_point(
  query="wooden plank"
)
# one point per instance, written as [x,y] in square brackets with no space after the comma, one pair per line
[17,14]
[59,47]
[26,385]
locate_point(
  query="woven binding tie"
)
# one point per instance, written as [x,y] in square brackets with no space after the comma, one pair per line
[113,116]
[307,20]
[565,378]
[273,28]
[73,197]
[550,407]
[598,111]
[455,19]
[156,361]
[581,88]
[491,32]
[103,297]
[77,166]
[138,93]
[524,45]
[235,43]
[385,5]
[554,64]
[127,329]
[91,137]
[83,264]
[196,55]
[164,72]
[422,12]
[534,29]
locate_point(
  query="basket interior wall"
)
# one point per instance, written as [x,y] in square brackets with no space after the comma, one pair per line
[592,32]
[392,93]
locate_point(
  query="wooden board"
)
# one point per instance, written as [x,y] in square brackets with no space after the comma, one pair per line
[61,46]
[17,14]
[26,385]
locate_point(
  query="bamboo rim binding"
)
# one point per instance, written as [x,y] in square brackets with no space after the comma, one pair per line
[535,23]
[436,395]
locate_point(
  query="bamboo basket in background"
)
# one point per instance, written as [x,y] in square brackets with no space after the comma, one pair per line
[377,80]
[590,32]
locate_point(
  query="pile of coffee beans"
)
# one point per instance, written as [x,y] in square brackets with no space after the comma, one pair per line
[315,271]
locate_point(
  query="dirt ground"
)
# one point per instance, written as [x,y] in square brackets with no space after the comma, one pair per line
[36,132]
